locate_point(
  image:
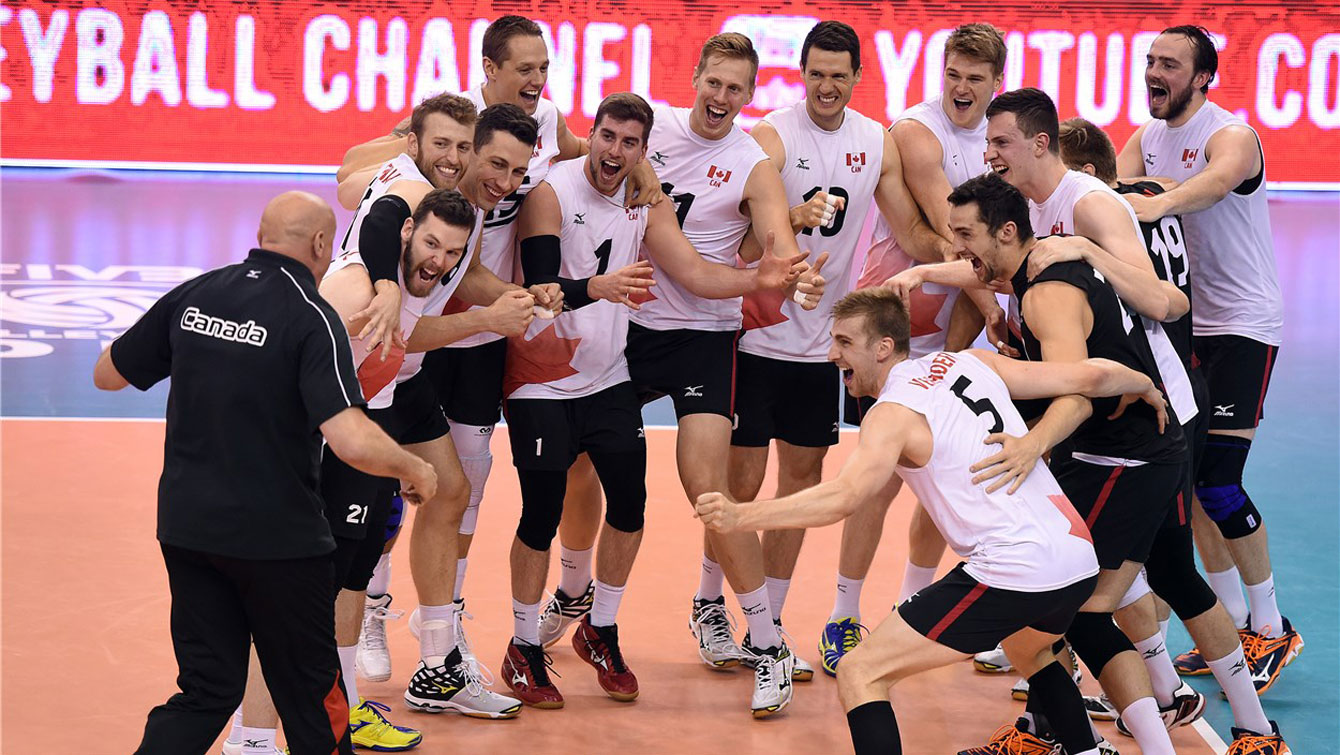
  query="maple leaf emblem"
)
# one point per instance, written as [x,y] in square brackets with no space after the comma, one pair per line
[545,358]
[763,309]
[374,374]
[925,306]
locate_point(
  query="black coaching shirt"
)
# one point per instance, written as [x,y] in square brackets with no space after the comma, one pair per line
[258,361]
[1115,335]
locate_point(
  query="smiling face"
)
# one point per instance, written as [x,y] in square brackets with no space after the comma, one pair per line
[499,169]
[829,80]
[967,86]
[432,248]
[974,242]
[1012,155]
[444,150]
[723,87]
[616,146]
[859,355]
[1170,76]
[521,76]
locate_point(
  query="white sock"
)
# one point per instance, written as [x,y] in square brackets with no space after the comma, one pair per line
[605,605]
[235,732]
[381,577]
[526,621]
[1266,619]
[461,563]
[576,572]
[1163,629]
[257,741]
[777,590]
[915,579]
[1227,586]
[1236,681]
[710,580]
[1142,718]
[848,598]
[347,655]
[1161,672]
[437,633]
[758,615]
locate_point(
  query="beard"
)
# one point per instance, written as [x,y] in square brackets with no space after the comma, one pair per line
[1177,103]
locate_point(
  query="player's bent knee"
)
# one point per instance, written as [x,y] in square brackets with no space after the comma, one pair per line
[1182,588]
[1097,640]
[537,529]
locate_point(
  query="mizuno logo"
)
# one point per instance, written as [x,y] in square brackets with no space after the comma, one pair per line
[752,611]
[1225,410]
[195,321]
[1154,652]
[579,218]
[642,432]
[658,158]
[446,690]
[802,163]
[1149,158]
[1237,667]
[693,391]
[255,742]
[519,679]
[254,274]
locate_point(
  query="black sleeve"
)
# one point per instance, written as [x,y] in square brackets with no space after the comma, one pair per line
[327,379]
[379,237]
[143,354]
[540,263]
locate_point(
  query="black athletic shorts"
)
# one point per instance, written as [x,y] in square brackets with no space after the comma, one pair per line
[548,434]
[469,381]
[416,413]
[854,409]
[794,402]
[358,507]
[961,613]
[1198,429]
[695,368]
[1237,370]
[1124,507]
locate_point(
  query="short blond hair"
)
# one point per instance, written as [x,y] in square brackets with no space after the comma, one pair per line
[884,313]
[981,42]
[732,46]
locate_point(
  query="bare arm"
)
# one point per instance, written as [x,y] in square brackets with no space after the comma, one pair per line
[569,145]
[1233,156]
[765,196]
[870,467]
[1131,161]
[366,447]
[355,185]
[673,253]
[1094,378]
[925,191]
[371,154]
[105,375]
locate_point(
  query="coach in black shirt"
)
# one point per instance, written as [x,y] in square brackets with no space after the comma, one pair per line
[261,368]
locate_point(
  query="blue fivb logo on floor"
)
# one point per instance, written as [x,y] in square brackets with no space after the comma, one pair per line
[46,307]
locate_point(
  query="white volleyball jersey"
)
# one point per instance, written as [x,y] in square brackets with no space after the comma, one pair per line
[377,378]
[963,156]
[435,303]
[499,252]
[580,352]
[1056,216]
[399,168]
[844,163]
[1031,541]
[706,180]
[1236,288]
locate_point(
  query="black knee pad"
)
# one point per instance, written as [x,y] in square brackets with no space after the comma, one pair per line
[1220,486]
[1097,639]
[623,477]
[1172,575]
[541,507]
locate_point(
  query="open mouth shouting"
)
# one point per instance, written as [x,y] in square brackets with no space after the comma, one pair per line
[530,97]
[716,116]
[962,104]
[609,170]
[847,375]
[1158,94]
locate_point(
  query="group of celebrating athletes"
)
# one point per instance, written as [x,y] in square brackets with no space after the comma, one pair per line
[674,254]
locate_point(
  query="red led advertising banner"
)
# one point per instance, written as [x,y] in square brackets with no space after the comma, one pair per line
[225,84]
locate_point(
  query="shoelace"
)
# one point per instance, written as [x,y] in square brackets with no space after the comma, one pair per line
[720,628]
[852,634]
[477,675]
[377,709]
[609,636]
[374,626]
[540,662]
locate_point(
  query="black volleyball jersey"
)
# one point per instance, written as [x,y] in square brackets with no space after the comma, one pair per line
[1167,250]
[1116,335]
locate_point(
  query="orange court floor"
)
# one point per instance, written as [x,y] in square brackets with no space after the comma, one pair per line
[87,652]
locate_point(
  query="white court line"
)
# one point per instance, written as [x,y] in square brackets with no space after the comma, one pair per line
[1210,736]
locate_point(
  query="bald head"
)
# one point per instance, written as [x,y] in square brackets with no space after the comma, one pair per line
[300,225]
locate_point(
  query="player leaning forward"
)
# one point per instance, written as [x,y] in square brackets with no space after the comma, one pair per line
[1029,562]
[567,383]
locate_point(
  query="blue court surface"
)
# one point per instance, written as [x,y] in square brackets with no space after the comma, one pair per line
[84,253]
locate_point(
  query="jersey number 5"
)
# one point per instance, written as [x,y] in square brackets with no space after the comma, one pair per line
[980,406]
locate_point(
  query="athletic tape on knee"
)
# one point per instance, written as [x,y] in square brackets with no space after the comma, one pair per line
[1097,639]
[1220,487]
[1139,588]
